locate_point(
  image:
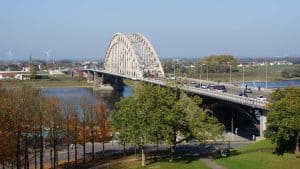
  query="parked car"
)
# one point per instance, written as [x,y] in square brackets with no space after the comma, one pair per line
[261,98]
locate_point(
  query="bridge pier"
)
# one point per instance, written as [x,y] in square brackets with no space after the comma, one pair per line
[262,122]
[98,83]
[90,77]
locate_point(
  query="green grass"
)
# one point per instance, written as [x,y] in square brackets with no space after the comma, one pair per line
[260,155]
[179,164]
[58,81]
[255,73]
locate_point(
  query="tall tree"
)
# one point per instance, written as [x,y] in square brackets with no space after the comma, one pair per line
[104,127]
[54,123]
[284,119]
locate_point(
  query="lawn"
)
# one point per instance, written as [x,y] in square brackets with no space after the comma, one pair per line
[260,155]
[58,81]
[255,73]
[179,164]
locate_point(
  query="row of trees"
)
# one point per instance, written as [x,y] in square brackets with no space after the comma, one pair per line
[30,122]
[212,63]
[154,114]
[291,72]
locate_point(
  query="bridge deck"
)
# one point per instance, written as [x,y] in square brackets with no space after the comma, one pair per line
[231,97]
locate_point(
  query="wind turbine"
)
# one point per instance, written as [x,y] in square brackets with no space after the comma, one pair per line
[10,55]
[47,56]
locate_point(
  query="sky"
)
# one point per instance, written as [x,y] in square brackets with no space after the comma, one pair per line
[82,29]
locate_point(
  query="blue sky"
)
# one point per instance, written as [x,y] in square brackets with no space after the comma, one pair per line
[74,29]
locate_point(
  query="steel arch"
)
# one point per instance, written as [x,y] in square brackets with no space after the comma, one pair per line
[132,55]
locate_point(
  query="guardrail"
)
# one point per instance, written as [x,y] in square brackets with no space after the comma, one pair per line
[253,102]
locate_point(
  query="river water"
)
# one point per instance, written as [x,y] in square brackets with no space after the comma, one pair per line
[277,84]
[76,96]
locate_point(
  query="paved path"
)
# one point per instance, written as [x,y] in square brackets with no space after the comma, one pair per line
[210,163]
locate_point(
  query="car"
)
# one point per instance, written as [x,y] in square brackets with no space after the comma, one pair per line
[197,85]
[204,86]
[261,98]
[248,90]
[243,94]
[220,88]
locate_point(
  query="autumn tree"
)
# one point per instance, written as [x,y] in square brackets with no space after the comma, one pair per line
[104,127]
[54,123]
[283,125]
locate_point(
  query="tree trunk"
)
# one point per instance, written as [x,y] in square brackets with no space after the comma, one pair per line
[35,152]
[93,144]
[297,146]
[172,151]
[51,160]
[93,149]
[18,160]
[124,149]
[135,150]
[26,163]
[41,149]
[84,152]
[103,149]
[172,148]
[143,156]
[76,153]
[68,151]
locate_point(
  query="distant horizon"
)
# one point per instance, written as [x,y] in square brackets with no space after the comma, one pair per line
[166,58]
[74,29]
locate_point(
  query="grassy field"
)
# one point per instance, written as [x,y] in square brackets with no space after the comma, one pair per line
[58,81]
[179,164]
[255,73]
[260,156]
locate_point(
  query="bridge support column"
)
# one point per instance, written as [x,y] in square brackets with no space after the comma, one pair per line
[99,84]
[90,77]
[262,122]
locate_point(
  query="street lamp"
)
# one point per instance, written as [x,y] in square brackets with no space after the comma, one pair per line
[229,72]
[266,74]
[206,71]
[200,71]
[243,74]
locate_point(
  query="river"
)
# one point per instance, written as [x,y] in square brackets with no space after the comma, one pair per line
[76,96]
[276,84]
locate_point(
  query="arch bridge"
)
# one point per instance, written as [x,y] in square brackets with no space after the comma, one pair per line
[131,56]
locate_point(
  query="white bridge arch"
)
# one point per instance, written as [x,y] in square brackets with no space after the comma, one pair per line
[132,55]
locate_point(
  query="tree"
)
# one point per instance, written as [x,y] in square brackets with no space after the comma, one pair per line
[219,63]
[283,125]
[54,123]
[32,71]
[103,124]
[155,114]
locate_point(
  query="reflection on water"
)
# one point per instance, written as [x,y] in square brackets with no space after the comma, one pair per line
[76,96]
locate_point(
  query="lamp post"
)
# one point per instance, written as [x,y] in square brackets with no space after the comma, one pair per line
[266,74]
[243,75]
[200,72]
[206,71]
[229,72]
